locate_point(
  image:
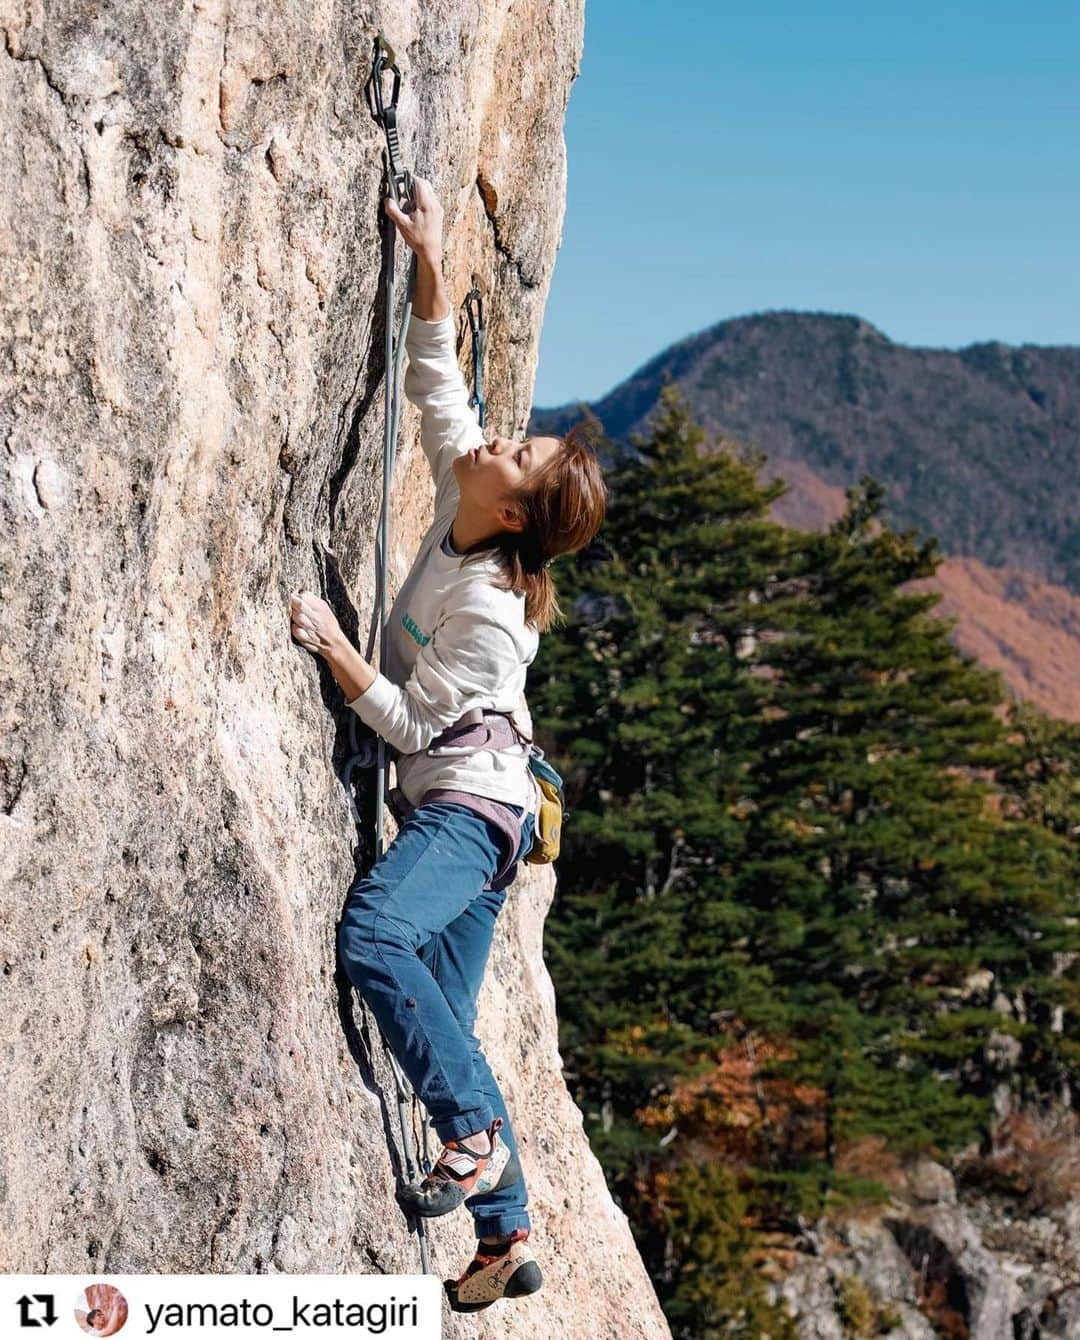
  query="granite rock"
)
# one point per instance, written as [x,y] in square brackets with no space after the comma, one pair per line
[191,395]
[932,1183]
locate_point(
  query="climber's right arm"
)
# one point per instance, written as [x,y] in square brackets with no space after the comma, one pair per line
[434,384]
[433,380]
[420,223]
[430,302]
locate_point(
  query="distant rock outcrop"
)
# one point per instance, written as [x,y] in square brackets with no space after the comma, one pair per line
[191,404]
[929,1266]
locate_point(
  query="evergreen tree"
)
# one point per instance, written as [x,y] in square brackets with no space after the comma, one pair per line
[1042,784]
[784,825]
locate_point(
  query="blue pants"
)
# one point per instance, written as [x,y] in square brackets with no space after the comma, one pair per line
[414,940]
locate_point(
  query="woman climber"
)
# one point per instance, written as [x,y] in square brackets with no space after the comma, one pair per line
[417,929]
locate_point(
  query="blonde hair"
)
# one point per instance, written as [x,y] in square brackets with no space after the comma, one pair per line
[564,502]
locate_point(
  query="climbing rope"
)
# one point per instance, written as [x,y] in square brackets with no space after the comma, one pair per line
[373,751]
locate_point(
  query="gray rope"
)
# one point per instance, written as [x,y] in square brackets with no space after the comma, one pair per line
[376,752]
[394,358]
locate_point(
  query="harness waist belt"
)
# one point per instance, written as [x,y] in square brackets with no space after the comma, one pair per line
[479,728]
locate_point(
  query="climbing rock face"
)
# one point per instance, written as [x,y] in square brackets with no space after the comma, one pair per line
[191,401]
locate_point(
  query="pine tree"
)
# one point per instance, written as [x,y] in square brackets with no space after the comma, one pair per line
[785,825]
[907,880]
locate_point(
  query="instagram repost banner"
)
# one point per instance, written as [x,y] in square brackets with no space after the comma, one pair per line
[211,1306]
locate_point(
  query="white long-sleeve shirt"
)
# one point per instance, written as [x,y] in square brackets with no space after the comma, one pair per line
[455,640]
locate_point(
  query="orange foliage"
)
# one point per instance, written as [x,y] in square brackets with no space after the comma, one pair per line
[870,1157]
[733,1111]
[1038,1153]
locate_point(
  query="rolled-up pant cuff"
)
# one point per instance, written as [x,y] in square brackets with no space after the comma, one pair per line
[454,1128]
[500,1225]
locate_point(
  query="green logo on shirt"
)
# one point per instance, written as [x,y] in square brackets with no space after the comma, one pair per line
[422,638]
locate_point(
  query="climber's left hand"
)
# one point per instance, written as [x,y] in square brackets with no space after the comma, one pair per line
[314,623]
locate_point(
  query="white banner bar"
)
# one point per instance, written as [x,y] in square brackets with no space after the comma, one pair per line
[221,1307]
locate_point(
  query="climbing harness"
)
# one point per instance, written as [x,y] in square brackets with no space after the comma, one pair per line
[374,751]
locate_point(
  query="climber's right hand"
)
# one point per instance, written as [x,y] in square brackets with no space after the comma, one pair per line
[421,222]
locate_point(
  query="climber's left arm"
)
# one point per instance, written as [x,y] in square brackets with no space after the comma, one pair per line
[465,664]
[316,628]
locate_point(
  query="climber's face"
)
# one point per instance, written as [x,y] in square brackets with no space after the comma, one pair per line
[487,474]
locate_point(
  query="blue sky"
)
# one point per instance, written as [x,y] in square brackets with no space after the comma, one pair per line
[916,165]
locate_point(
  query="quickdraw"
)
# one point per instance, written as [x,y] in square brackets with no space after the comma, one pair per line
[476,327]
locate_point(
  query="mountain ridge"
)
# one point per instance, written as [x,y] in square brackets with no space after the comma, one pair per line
[860,322]
[979,446]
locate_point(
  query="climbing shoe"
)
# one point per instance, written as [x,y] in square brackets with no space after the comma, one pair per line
[460,1172]
[498,1270]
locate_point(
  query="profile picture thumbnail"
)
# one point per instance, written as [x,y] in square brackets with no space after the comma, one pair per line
[101,1309]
